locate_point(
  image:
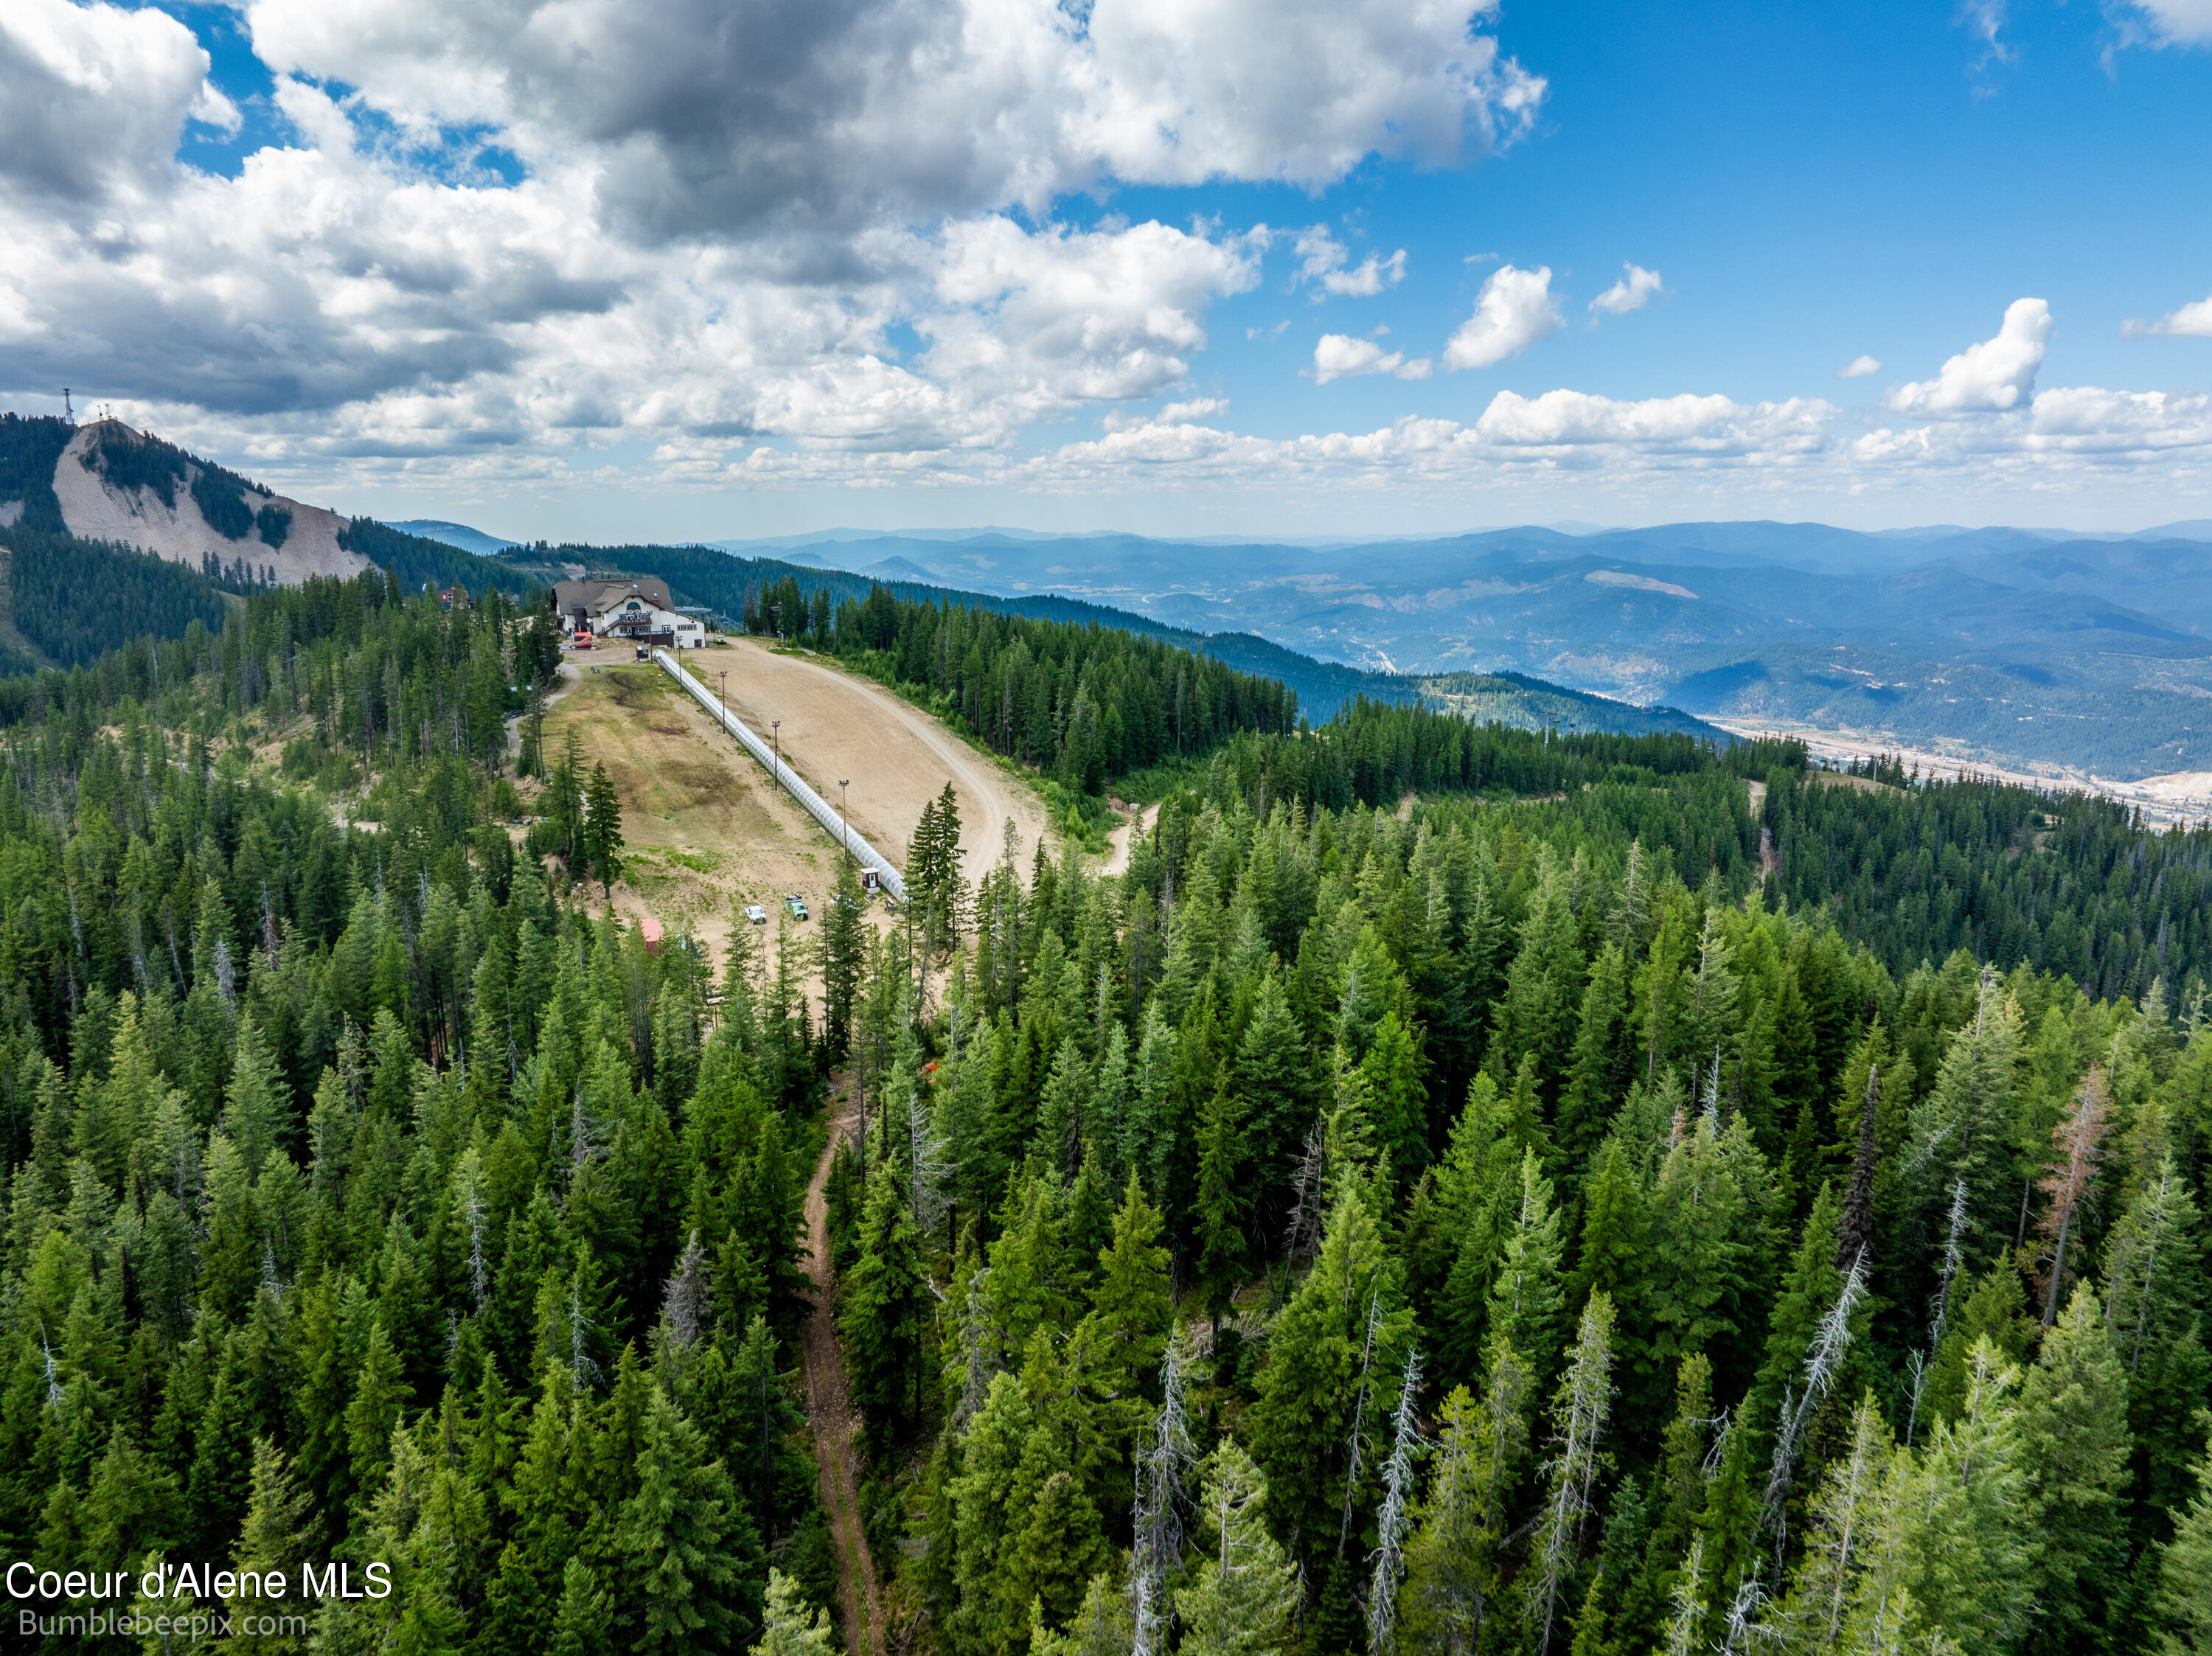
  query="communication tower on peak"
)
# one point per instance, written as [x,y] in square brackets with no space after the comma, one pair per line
[69,414]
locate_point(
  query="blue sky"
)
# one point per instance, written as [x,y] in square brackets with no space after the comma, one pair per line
[1813,182]
[685,270]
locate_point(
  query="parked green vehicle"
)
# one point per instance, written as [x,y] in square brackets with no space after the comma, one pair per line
[794,906]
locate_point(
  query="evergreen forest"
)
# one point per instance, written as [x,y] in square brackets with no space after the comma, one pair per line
[1459,1189]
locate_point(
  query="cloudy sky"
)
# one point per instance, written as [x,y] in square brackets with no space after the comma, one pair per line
[724,267]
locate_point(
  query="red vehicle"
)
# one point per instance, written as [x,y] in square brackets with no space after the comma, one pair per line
[582,638]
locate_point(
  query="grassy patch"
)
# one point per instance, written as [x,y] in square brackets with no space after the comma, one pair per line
[1161,781]
[1081,817]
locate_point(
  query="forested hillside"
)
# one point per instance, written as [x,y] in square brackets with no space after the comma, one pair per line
[1571,1214]
[1516,699]
[30,448]
[1082,703]
[739,586]
[75,600]
[418,562]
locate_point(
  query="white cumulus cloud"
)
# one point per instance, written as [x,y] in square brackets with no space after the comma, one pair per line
[1321,264]
[1340,356]
[707,117]
[2191,321]
[831,226]
[1991,377]
[1050,318]
[92,100]
[1696,445]
[2173,22]
[1859,366]
[1687,449]
[1686,424]
[1637,287]
[1513,311]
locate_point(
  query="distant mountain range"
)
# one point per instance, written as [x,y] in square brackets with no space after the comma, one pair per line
[2010,644]
[2017,645]
[460,535]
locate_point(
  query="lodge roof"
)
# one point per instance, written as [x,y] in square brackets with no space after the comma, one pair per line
[599,595]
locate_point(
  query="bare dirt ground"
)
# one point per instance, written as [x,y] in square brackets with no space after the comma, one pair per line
[1768,862]
[180,533]
[2183,797]
[1118,842]
[896,757]
[705,830]
[829,1407]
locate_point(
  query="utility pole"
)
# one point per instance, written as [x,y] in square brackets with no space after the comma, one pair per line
[843,821]
[775,743]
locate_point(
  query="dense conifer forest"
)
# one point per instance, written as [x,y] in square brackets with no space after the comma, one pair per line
[1564,1210]
[73,600]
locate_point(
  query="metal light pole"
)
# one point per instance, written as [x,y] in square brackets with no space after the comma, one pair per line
[724,674]
[844,821]
[775,743]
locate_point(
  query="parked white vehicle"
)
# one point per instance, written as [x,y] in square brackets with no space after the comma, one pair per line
[756,915]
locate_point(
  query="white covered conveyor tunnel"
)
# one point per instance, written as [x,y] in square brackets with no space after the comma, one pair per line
[866,854]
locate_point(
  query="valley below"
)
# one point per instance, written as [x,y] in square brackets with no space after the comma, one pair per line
[2034,652]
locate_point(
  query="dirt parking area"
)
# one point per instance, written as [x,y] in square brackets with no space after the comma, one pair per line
[896,757]
[705,830]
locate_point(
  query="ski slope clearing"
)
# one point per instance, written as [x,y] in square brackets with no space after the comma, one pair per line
[95,509]
[705,831]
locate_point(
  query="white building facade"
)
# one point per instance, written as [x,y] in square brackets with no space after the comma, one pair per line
[633,607]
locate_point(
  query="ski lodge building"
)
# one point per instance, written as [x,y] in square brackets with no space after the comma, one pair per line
[636,608]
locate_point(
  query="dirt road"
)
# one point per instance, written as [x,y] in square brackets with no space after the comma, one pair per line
[565,676]
[829,1407]
[1768,862]
[896,757]
[1139,825]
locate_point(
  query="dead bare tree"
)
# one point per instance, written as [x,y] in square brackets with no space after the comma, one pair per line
[2080,1141]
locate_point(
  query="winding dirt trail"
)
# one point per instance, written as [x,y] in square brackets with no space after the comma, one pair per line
[1138,825]
[566,676]
[829,1407]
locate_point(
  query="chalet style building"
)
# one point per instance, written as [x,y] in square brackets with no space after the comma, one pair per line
[633,607]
